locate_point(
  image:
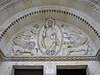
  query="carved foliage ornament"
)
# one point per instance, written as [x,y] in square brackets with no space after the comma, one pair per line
[51,38]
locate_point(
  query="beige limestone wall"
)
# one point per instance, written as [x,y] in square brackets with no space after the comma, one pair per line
[6,67]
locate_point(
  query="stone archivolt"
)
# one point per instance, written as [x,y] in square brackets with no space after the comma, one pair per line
[95,4]
[50,38]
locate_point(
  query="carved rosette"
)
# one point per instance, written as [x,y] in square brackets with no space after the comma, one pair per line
[51,38]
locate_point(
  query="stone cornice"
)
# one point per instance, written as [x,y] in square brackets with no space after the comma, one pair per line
[52,58]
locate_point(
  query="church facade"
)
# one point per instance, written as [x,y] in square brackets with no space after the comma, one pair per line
[51,35]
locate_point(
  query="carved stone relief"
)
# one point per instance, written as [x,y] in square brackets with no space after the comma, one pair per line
[51,38]
[74,42]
